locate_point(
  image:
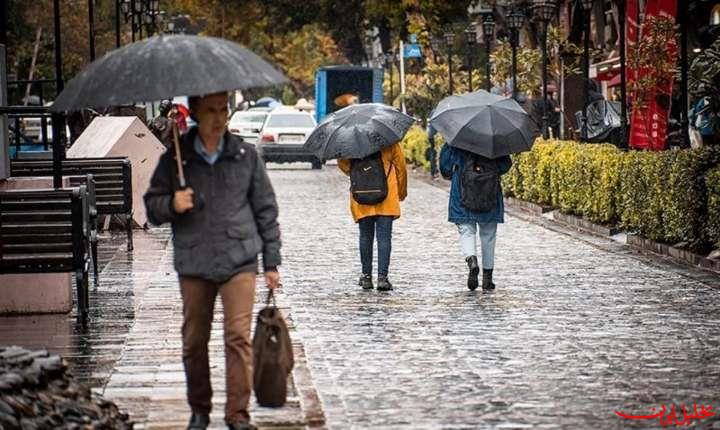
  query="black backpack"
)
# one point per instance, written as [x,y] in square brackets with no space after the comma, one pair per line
[368,180]
[479,183]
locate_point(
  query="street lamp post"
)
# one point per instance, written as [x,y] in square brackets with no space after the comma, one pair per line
[516,20]
[449,41]
[117,23]
[435,45]
[488,34]
[623,72]
[544,12]
[586,8]
[91,28]
[684,121]
[471,40]
[389,63]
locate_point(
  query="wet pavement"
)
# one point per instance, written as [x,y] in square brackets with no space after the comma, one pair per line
[579,326]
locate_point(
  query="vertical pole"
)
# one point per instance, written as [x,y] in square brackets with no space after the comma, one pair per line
[623,71]
[470,67]
[450,76]
[586,72]
[91,28]
[402,76]
[684,122]
[58,121]
[390,70]
[514,45]
[117,23]
[544,81]
[488,85]
[132,19]
[4,135]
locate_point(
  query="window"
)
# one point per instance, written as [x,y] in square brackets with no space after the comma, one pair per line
[253,118]
[715,15]
[290,120]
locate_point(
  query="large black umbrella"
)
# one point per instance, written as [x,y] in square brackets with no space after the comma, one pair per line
[358,131]
[485,124]
[162,67]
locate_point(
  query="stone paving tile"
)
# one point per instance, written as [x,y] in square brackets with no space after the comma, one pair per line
[572,333]
[91,354]
[148,379]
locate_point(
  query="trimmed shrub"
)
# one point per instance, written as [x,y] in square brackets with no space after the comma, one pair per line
[414,144]
[712,182]
[664,196]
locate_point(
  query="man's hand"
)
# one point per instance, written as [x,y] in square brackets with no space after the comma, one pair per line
[272,279]
[183,200]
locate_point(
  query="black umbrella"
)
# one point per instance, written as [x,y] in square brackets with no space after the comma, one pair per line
[358,131]
[485,124]
[162,67]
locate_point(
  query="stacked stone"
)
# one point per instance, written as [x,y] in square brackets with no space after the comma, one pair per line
[37,392]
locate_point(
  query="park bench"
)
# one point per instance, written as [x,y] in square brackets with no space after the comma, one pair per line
[45,231]
[113,182]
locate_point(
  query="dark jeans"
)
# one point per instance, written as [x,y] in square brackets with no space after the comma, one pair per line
[368,226]
[431,156]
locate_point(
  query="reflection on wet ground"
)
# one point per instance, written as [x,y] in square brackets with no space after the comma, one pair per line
[92,352]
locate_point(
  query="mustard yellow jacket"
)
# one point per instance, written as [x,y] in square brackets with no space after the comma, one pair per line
[394,162]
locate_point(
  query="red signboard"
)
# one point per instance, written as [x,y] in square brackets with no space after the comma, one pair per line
[648,126]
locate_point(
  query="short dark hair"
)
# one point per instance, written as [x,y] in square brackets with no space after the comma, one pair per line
[194,100]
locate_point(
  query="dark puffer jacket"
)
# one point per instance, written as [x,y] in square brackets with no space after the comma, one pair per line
[239,216]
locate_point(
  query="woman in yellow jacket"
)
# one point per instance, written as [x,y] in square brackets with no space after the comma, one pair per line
[376,220]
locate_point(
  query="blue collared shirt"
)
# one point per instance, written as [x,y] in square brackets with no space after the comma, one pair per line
[200,149]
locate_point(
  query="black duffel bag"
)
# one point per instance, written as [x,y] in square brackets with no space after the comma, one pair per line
[273,356]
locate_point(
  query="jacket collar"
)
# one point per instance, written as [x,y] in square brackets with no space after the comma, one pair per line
[232,147]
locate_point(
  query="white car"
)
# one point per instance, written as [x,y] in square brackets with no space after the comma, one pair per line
[283,135]
[247,124]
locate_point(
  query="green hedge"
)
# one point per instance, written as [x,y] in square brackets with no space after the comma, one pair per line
[661,195]
[712,182]
[670,196]
[415,143]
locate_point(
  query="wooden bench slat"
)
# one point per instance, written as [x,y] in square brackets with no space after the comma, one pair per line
[36,248]
[11,239]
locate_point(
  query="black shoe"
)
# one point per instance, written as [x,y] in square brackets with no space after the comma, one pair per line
[384,284]
[198,422]
[487,280]
[473,271]
[366,282]
[241,426]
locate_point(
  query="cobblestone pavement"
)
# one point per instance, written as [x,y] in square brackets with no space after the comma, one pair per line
[131,350]
[575,330]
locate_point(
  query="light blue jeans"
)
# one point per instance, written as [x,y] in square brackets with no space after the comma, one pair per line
[468,241]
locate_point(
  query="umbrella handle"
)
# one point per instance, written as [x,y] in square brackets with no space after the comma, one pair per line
[178,157]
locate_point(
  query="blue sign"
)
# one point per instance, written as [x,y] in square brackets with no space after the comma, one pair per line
[412,50]
[413,38]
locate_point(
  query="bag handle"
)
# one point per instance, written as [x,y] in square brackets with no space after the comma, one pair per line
[271,297]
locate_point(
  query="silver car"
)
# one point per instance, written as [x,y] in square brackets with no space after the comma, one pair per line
[283,135]
[247,124]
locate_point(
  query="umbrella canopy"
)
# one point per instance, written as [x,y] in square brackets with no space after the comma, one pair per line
[267,102]
[162,67]
[358,131]
[484,124]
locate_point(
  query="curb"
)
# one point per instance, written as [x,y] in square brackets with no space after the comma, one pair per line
[583,224]
[635,242]
[530,207]
[677,254]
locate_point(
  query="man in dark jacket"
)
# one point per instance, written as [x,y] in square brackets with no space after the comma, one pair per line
[161,125]
[221,222]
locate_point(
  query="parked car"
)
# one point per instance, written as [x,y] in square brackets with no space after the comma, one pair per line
[283,135]
[247,124]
